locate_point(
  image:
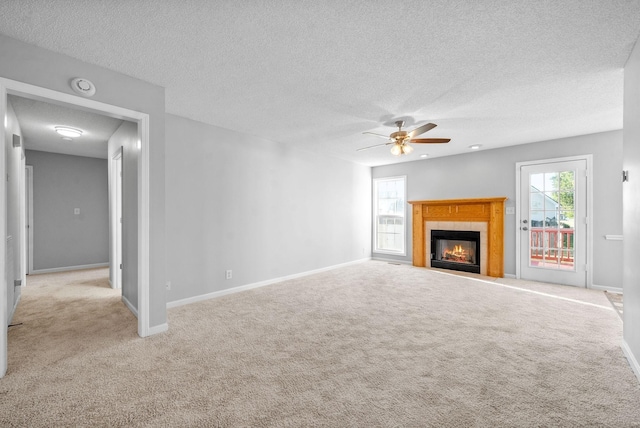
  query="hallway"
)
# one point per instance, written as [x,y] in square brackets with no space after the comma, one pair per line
[61,315]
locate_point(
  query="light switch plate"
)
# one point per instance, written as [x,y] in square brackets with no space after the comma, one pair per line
[511,210]
[76,211]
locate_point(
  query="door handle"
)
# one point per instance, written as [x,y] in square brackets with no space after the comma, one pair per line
[525,228]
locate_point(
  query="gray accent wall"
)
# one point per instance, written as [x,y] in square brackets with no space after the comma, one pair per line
[491,173]
[126,136]
[36,66]
[632,208]
[61,184]
[259,208]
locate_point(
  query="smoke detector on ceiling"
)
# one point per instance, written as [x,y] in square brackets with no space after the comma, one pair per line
[83,87]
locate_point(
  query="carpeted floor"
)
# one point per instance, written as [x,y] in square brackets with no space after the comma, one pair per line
[617,303]
[371,344]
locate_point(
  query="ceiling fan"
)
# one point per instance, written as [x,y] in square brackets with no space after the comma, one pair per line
[401,139]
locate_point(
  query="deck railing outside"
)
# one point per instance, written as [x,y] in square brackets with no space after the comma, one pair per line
[552,244]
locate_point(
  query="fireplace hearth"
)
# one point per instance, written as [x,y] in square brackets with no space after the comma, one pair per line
[455,250]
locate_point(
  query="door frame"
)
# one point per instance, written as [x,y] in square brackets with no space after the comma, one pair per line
[29,202]
[589,214]
[8,86]
[115,218]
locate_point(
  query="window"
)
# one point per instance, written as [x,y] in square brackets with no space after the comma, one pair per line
[389,214]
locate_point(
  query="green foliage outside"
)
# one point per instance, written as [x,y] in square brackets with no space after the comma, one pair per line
[565,183]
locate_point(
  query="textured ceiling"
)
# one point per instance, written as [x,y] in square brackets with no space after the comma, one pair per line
[38,121]
[319,73]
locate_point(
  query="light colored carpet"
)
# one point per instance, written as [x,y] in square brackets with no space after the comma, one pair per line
[367,345]
[617,303]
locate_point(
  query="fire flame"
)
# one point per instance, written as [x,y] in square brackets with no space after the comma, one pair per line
[457,254]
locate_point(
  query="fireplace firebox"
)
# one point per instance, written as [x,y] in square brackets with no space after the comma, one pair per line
[455,250]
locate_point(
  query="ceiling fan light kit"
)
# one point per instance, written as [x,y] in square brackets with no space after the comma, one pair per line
[401,149]
[401,139]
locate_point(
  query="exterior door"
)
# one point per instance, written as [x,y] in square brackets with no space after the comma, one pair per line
[553,222]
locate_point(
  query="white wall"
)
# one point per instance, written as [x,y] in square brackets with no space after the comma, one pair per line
[261,209]
[492,173]
[62,183]
[14,162]
[631,212]
[40,67]
[126,136]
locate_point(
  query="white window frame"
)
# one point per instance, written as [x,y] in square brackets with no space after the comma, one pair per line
[375,216]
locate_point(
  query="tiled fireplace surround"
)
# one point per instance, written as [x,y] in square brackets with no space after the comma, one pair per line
[484,215]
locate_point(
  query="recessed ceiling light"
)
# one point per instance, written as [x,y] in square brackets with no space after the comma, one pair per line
[475,146]
[424,156]
[65,131]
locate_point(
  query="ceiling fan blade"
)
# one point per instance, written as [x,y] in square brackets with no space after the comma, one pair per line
[422,129]
[377,135]
[430,140]
[371,147]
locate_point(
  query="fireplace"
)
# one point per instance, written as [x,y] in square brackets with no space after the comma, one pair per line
[455,250]
[484,215]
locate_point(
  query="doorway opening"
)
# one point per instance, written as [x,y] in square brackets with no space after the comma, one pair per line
[141,235]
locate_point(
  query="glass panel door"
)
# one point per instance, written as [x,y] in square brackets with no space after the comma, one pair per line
[552,219]
[553,222]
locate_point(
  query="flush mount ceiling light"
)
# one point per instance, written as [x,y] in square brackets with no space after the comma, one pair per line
[65,131]
[475,146]
[424,156]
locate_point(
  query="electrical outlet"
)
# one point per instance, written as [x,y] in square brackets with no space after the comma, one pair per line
[228,274]
[168,285]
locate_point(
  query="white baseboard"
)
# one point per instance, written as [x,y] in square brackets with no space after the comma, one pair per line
[617,290]
[69,268]
[633,362]
[510,275]
[238,289]
[158,329]
[13,310]
[130,306]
